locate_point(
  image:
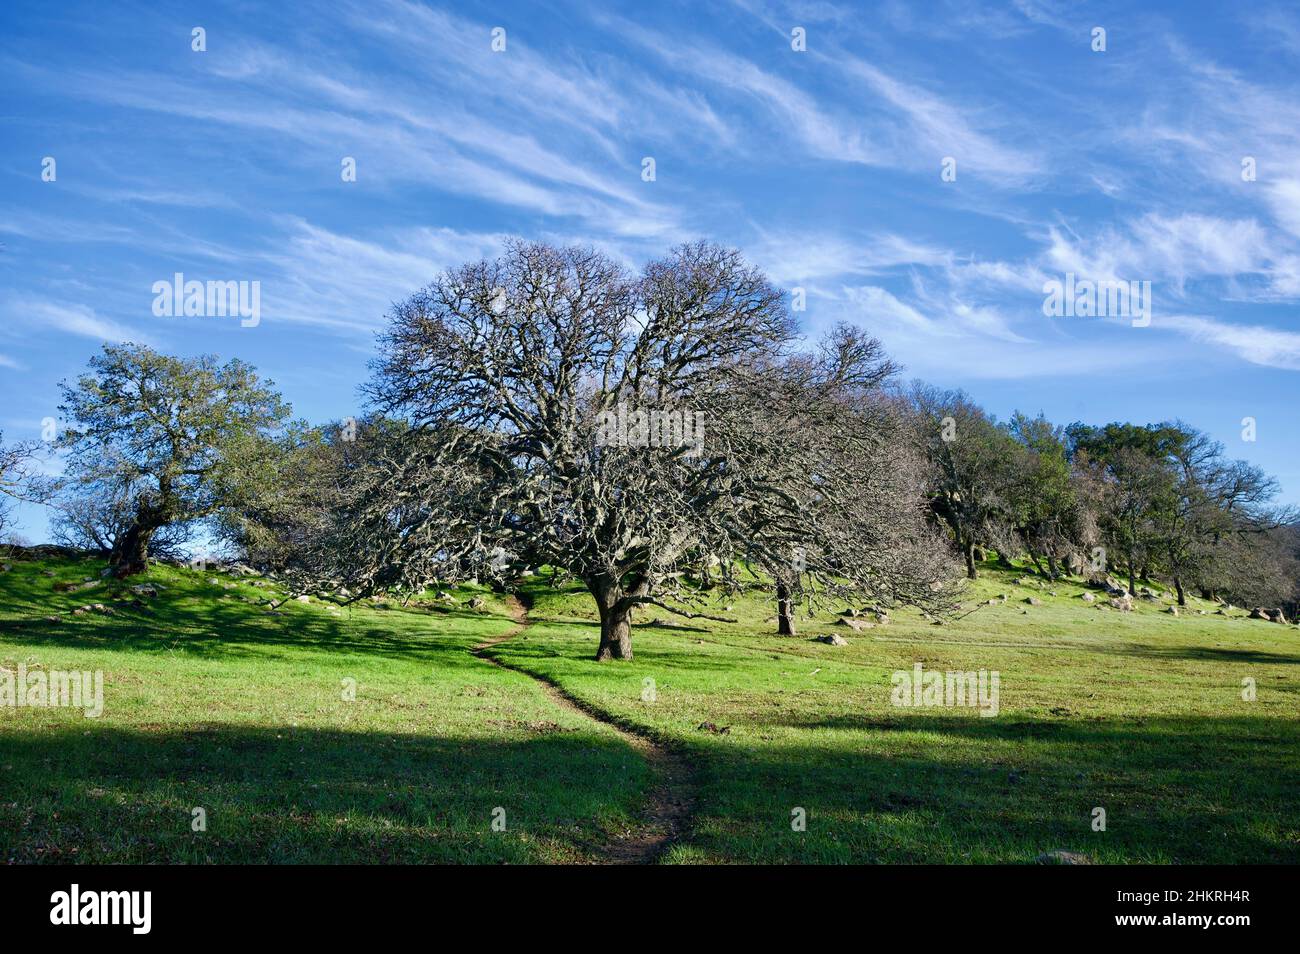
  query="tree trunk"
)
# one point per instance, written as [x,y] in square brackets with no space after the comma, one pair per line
[1132,583]
[1033,558]
[1178,586]
[784,611]
[1053,568]
[615,620]
[130,552]
[969,552]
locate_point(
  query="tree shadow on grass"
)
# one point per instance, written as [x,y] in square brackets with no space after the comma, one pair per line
[1190,790]
[104,794]
[227,629]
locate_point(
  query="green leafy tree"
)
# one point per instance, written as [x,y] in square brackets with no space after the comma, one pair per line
[159,426]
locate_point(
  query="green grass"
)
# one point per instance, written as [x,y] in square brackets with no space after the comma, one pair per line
[211,702]
[1140,714]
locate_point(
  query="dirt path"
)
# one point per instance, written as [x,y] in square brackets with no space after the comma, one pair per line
[672,796]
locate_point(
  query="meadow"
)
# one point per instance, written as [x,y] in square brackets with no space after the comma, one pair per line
[437,732]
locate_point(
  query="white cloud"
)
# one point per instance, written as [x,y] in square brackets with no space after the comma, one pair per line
[72,318]
[1257,344]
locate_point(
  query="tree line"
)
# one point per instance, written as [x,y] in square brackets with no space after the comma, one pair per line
[485,449]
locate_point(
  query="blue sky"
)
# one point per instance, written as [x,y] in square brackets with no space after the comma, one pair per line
[822,165]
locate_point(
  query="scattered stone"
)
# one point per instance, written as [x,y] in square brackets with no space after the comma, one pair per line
[303,599]
[144,589]
[831,640]
[477,603]
[711,727]
[5,567]
[213,581]
[1033,601]
[1123,603]
[1087,597]
[1172,610]
[1058,856]
[882,618]
[857,625]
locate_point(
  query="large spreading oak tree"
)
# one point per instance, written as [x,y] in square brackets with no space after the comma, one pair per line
[551,408]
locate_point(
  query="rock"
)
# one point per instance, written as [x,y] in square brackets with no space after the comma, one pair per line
[5,567]
[848,611]
[1172,610]
[477,603]
[65,587]
[303,599]
[712,727]
[857,625]
[1087,597]
[831,640]
[1258,613]
[1058,856]
[882,618]
[993,602]
[1033,601]
[144,589]
[213,581]
[1122,603]
[1052,593]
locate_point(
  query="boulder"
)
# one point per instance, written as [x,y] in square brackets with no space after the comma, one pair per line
[1123,603]
[1033,601]
[1087,597]
[477,603]
[1172,610]
[857,625]
[144,589]
[831,640]
[303,599]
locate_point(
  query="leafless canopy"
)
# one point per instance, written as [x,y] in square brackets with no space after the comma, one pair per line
[557,410]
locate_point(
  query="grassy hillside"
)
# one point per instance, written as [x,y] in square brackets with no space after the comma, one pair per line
[211,701]
[214,701]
